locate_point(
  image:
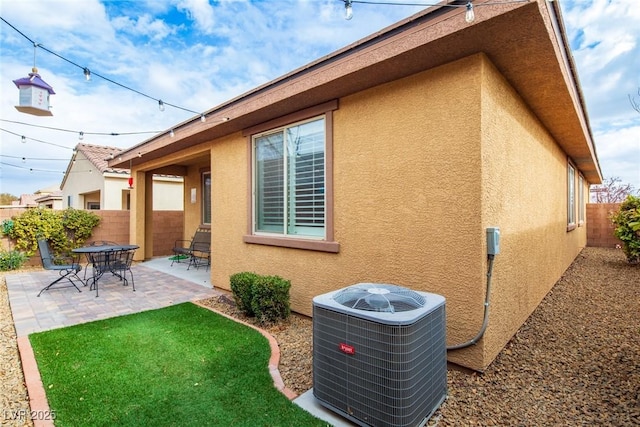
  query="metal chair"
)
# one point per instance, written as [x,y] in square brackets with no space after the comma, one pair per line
[200,256]
[120,264]
[200,243]
[67,267]
[94,258]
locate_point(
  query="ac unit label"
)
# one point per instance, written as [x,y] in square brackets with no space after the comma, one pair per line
[347,349]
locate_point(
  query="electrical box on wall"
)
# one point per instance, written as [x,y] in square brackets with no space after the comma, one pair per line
[493,241]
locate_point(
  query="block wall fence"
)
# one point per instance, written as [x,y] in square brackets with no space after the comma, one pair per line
[599,226]
[168,226]
[114,226]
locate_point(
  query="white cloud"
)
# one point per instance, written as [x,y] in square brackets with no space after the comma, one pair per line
[619,154]
[201,12]
[198,54]
[144,25]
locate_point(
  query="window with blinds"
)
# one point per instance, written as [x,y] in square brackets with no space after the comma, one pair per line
[290,180]
[571,195]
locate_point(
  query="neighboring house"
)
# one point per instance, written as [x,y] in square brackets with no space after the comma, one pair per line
[50,201]
[45,197]
[89,183]
[387,161]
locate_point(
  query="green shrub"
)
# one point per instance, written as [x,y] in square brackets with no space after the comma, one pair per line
[627,222]
[263,297]
[7,227]
[65,229]
[11,260]
[270,301]
[241,286]
[78,226]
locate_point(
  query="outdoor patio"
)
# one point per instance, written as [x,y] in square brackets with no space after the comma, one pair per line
[158,284]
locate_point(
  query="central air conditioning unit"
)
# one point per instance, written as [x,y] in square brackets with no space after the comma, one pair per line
[379,354]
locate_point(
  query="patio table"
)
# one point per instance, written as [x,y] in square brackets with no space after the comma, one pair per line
[101,258]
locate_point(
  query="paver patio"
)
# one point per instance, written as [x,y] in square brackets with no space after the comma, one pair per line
[60,307]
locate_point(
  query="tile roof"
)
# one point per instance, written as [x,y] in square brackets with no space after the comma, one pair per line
[98,156]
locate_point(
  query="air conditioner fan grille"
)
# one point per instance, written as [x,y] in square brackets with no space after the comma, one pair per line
[379,297]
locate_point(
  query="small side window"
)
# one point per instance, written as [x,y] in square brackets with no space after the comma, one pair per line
[206,198]
[571,197]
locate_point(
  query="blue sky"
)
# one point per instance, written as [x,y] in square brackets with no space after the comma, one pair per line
[197,54]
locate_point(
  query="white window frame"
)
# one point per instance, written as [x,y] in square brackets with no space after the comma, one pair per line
[581,201]
[571,197]
[289,228]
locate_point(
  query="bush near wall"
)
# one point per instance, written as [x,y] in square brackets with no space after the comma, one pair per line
[65,229]
[263,297]
[627,223]
[114,226]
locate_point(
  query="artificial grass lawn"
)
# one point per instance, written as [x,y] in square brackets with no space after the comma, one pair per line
[178,366]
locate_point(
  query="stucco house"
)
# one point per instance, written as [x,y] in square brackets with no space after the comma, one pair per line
[89,182]
[52,200]
[388,160]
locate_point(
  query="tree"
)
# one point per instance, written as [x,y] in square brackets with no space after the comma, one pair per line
[612,190]
[635,103]
[6,198]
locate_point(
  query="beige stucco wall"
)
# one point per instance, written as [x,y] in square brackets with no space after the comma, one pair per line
[421,167]
[193,205]
[168,193]
[407,198]
[524,180]
[82,179]
[84,184]
[114,187]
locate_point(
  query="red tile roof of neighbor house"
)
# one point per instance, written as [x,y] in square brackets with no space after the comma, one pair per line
[28,199]
[526,41]
[98,155]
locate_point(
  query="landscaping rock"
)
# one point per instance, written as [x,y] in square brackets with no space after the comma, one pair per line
[575,361]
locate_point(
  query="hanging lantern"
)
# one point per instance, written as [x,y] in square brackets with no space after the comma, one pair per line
[130,182]
[34,95]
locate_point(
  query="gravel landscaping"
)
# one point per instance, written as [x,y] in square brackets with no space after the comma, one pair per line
[575,362]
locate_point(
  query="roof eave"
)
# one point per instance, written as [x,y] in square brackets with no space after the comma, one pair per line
[534,58]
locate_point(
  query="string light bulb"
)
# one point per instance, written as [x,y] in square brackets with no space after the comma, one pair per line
[469,15]
[87,74]
[160,105]
[203,118]
[348,9]
[81,136]
[23,139]
[172,133]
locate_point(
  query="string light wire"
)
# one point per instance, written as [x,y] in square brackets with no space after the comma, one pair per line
[24,138]
[83,132]
[41,170]
[468,4]
[88,73]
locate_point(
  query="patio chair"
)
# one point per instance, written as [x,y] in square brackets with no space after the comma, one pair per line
[119,263]
[185,248]
[200,255]
[93,259]
[67,267]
